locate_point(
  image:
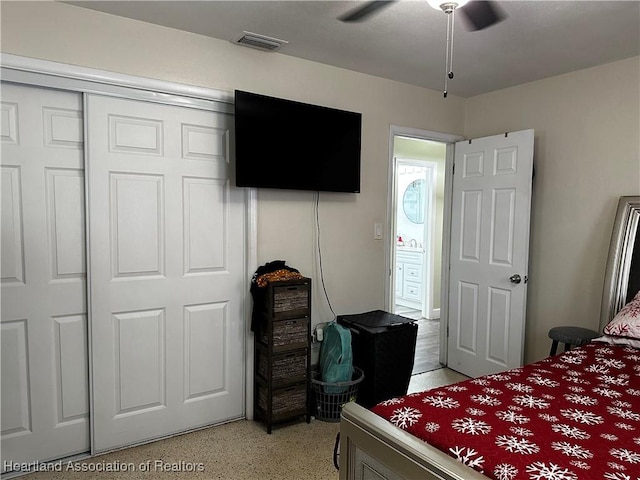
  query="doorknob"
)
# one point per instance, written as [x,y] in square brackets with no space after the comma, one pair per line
[515,278]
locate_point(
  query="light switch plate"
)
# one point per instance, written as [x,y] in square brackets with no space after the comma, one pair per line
[377,231]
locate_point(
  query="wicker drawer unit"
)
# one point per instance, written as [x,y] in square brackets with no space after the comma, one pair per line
[284,401]
[286,334]
[282,352]
[288,299]
[284,368]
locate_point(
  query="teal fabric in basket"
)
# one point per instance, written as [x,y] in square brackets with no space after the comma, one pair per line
[336,357]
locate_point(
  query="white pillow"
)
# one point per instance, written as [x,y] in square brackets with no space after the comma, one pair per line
[627,322]
[611,340]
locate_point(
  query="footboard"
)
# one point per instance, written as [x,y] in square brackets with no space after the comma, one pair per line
[371,447]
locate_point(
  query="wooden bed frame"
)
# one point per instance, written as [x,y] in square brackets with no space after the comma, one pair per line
[371,448]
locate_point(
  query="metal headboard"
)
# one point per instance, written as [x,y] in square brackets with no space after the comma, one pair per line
[622,275]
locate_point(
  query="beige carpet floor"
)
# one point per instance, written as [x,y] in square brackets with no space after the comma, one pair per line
[239,450]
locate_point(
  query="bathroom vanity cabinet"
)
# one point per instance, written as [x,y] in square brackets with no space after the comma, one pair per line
[409,278]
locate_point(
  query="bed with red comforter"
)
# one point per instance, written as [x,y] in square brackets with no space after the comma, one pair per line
[574,416]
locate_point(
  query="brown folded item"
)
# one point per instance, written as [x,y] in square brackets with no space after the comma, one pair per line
[279,275]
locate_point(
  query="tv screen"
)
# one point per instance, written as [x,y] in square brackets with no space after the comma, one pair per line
[292,145]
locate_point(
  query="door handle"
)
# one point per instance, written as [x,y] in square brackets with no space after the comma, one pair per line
[515,278]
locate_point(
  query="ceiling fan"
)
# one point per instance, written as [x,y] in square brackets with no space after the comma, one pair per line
[479,14]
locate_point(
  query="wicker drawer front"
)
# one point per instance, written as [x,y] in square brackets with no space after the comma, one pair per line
[284,400]
[291,367]
[288,334]
[290,301]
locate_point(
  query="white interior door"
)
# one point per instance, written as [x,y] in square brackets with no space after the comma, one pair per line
[45,406]
[489,252]
[167,275]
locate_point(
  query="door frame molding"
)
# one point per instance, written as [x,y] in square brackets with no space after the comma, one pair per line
[450,139]
[47,74]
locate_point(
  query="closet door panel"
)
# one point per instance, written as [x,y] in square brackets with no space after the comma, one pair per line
[137,225]
[12,218]
[167,270]
[65,222]
[45,408]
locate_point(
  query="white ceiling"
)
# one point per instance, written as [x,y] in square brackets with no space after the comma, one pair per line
[406,41]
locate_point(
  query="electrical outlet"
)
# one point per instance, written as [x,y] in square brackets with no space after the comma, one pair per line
[318,332]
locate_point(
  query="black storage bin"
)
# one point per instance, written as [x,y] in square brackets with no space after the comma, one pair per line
[384,347]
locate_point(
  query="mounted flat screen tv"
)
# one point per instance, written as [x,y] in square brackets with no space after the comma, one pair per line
[292,145]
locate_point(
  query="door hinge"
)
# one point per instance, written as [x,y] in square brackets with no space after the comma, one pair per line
[447,331]
[453,171]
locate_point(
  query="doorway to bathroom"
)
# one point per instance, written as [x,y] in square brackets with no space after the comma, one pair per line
[418,205]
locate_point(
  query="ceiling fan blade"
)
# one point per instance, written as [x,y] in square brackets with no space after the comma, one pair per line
[359,14]
[482,14]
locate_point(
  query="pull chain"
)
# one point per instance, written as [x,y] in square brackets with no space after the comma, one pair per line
[449,50]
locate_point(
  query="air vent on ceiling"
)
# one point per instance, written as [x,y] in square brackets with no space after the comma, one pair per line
[261,42]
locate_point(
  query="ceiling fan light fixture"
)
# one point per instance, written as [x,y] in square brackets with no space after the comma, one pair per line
[480,15]
[447,6]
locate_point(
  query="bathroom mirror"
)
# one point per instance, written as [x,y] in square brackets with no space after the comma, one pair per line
[413,201]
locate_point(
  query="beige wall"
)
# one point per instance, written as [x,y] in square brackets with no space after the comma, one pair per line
[353,262]
[587,151]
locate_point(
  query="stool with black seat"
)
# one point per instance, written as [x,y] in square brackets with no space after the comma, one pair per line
[570,336]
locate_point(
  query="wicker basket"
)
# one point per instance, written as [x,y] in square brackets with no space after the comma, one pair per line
[284,401]
[288,333]
[285,368]
[328,406]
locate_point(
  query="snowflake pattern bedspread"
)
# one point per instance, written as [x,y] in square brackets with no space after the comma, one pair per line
[575,416]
